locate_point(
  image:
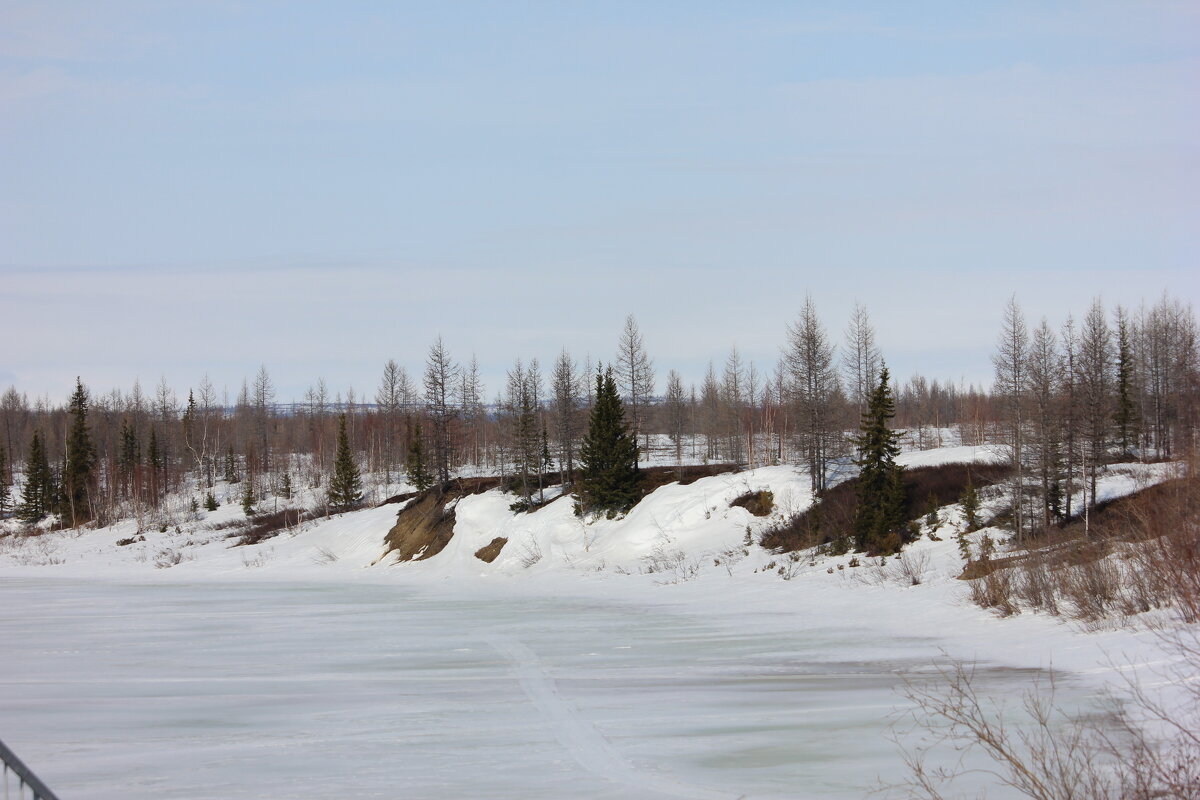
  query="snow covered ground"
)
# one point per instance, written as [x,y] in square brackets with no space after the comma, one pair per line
[654,656]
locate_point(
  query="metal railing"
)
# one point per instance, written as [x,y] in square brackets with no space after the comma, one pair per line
[26,780]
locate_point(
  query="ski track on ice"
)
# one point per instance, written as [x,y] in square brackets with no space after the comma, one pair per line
[581,739]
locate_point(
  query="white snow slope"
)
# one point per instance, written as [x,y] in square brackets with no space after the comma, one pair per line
[658,655]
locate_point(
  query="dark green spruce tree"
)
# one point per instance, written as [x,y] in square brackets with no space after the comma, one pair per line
[609,480]
[78,477]
[37,494]
[129,457]
[417,466]
[231,467]
[879,516]
[345,488]
[249,500]
[1125,415]
[970,507]
[5,481]
[154,462]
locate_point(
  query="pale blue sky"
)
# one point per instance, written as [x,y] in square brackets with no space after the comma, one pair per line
[204,187]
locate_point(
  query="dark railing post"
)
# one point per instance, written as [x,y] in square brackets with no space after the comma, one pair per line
[17,767]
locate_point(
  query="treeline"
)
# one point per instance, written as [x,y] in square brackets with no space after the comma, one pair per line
[1109,387]
[1106,388]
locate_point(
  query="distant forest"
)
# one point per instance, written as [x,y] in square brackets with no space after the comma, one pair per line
[1110,385]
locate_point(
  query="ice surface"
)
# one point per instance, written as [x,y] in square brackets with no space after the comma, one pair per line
[316,690]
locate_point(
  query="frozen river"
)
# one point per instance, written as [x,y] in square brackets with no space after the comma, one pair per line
[319,690]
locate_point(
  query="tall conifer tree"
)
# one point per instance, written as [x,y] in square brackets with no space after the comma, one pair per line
[1125,415]
[129,456]
[609,479]
[154,461]
[37,494]
[78,478]
[345,488]
[879,515]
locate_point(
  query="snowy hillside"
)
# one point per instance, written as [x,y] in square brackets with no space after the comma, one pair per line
[663,654]
[676,533]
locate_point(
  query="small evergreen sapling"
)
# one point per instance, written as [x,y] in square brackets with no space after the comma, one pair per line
[970,507]
[417,468]
[210,502]
[964,546]
[248,498]
[931,514]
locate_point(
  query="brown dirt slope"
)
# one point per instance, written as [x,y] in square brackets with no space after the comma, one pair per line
[422,528]
[425,526]
[490,551]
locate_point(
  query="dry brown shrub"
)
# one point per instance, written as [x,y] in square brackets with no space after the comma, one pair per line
[1164,528]
[1146,748]
[832,516]
[1051,756]
[996,591]
[759,503]
[1093,588]
[266,526]
[1140,553]
[1035,584]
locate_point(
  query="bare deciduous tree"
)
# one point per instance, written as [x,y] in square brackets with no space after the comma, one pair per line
[393,396]
[1012,387]
[860,358]
[676,407]
[1095,383]
[440,374]
[1046,440]
[474,414]
[814,389]
[635,375]
[567,421]
[733,400]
